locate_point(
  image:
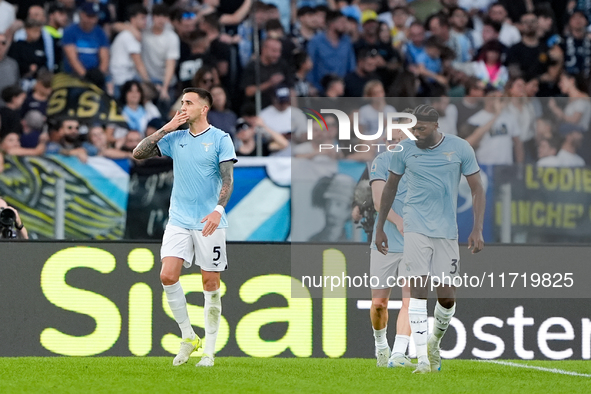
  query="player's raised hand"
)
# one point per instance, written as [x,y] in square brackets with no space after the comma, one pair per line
[381,242]
[212,222]
[475,241]
[179,119]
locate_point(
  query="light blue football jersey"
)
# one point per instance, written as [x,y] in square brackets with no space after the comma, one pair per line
[196,168]
[432,180]
[379,171]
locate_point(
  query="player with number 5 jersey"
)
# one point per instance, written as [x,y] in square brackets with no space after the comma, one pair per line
[203,165]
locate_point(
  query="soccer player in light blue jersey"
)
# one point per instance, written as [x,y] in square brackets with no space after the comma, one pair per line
[203,164]
[385,268]
[432,166]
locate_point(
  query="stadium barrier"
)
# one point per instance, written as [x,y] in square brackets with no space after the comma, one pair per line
[74,299]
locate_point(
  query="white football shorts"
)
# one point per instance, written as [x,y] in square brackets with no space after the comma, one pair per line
[190,245]
[437,257]
[384,267]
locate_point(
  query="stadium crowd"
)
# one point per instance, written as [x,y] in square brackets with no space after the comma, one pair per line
[511,77]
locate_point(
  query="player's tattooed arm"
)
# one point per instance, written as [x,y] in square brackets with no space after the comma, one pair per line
[148,146]
[227,173]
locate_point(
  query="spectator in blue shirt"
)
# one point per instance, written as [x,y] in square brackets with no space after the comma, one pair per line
[86,47]
[331,51]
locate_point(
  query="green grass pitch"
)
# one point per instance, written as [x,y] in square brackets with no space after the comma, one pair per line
[280,375]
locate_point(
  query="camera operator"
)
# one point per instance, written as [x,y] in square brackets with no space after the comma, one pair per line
[11,225]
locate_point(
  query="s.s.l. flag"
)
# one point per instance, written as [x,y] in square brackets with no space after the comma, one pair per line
[78,98]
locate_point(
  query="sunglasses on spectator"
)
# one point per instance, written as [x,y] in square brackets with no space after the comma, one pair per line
[189,15]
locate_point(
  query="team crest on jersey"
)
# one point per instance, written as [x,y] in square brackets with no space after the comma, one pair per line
[207,145]
[449,155]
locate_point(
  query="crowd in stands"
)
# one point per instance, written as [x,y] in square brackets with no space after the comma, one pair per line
[511,77]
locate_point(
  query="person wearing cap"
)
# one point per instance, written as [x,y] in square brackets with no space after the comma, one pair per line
[331,51]
[432,164]
[86,47]
[30,53]
[280,113]
[246,129]
[369,31]
[577,45]
[367,60]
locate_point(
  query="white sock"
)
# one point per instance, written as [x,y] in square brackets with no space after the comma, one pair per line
[442,318]
[381,338]
[417,314]
[400,344]
[178,305]
[213,312]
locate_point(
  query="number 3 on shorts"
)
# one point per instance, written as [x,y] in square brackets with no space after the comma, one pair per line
[454,263]
[217,253]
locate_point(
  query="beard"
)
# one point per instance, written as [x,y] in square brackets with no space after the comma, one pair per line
[71,138]
[426,143]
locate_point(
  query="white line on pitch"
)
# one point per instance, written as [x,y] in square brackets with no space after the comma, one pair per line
[366,304]
[552,370]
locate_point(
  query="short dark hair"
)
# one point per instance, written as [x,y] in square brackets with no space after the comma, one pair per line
[329,79]
[305,10]
[136,9]
[44,77]
[196,35]
[299,58]
[274,24]
[202,93]
[127,87]
[495,25]
[161,10]
[331,16]
[212,20]
[442,19]
[59,123]
[248,109]
[10,92]
[426,113]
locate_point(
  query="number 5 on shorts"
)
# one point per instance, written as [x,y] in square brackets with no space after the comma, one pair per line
[216,251]
[454,262]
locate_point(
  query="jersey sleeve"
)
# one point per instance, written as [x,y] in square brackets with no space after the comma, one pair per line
[379,168]
[469,163]
[398,163]
[165,144]
[226,149]
[69,37]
